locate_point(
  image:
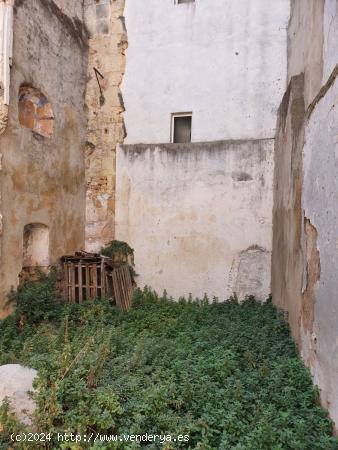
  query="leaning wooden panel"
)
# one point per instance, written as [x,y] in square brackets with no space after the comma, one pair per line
[123,287]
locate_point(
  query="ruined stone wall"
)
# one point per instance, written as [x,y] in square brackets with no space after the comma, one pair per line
[107,44]
[198,216]
[304,258]
[42,179]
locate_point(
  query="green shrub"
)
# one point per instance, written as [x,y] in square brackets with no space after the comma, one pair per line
[120,252]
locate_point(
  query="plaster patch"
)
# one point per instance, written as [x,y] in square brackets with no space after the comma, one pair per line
[312,275]
[249,275]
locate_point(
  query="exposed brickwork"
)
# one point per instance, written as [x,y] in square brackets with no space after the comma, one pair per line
[35,112]
[107,44]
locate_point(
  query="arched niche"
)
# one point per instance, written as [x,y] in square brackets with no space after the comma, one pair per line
[35,245]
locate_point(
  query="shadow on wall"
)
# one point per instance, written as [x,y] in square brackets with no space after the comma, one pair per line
[249,274]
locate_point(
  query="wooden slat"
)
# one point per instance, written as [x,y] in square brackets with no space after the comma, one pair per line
[87,282]
[122,287]
[73,283]
[103,279]
[116,289]
[69,271]
[94,269]
[80,283]
[125,287]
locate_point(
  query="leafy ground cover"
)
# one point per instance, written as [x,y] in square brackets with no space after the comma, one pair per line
[225,374]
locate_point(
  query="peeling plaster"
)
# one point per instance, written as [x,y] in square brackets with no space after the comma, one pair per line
[250,273]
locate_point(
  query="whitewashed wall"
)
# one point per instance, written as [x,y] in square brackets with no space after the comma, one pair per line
[198,216]
[6,48]
[330,37]
[224,60]
[305,258]
[320,199]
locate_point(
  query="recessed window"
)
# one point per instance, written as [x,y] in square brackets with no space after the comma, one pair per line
[184,1]
[35,111]
[181,128]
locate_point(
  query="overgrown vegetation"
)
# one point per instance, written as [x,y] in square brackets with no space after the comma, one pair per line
[226,374]
[121,252]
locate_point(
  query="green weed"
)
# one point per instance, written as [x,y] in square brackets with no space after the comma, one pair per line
[226,374]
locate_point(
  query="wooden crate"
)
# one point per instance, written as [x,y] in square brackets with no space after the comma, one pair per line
[90,276]
[84,281]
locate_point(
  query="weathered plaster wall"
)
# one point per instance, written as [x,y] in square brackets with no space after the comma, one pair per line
[107,44]
[226,63]
[305,44]
[6,53]
[198,215]
[320,197]
[330,38]
[73,9]
[304,258]
[287,255]
[42,180]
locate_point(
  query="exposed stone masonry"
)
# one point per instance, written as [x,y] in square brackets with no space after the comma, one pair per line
[107,45]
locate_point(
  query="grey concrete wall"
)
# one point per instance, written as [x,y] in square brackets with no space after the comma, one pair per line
[198,215]
[42,180]
[305,257]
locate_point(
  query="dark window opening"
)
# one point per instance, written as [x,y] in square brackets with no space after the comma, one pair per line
[185,1]
[181,129]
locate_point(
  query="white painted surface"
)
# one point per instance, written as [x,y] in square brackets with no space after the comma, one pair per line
[330,37]
[224,60]
[6,47]
[320,200]
[189,210]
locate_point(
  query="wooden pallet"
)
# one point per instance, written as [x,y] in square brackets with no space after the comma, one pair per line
[84,281]
[89,276]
